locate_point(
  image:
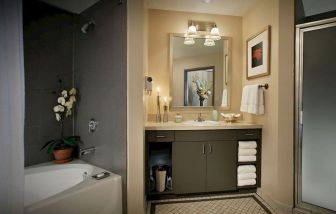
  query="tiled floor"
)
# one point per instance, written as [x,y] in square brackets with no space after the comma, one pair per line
[235,204]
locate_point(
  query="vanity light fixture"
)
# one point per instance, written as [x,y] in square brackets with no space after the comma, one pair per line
[214,33]
[192,31]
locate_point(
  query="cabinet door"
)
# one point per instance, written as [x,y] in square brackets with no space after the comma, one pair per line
[189,167]
[221,166]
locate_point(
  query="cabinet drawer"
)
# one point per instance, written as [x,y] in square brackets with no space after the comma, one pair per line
[160,136]
[249,134]
[206,135]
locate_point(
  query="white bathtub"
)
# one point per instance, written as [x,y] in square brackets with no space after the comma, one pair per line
[62,188]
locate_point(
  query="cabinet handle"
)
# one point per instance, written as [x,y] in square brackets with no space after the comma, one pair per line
[210,149]
[160,136]
[203,149]
[249,134]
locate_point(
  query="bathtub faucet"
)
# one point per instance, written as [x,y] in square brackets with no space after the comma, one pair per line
[86,151]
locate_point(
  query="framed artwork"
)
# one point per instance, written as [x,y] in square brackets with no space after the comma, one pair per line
[199,87]
[258,50]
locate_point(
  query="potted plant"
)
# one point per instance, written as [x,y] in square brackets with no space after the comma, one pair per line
[63,147]
[203,90]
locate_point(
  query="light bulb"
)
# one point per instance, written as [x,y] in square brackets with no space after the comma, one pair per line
[214,33]
[189,41]
[192,31]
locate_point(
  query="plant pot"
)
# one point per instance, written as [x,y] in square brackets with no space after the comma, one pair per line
[63,155]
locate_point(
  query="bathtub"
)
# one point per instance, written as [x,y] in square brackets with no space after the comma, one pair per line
[69,188]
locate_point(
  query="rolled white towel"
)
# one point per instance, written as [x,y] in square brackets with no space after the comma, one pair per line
[248,182]
[247,176]
[247,152]
[246,169]
[247,144]
[247,158]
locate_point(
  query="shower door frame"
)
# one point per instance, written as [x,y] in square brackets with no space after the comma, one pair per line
[301,29]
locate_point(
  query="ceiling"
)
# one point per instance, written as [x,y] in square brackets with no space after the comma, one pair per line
[73,6]
[313,7]
[223,7]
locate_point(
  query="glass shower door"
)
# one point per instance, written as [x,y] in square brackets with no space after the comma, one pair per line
[316,116]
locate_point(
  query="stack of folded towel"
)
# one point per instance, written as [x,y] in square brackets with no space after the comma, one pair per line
[247,151]
[246,175]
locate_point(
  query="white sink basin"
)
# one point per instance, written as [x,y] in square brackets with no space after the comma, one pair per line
[204,123]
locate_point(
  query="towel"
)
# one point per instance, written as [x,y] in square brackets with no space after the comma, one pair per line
[246,169]
[247,158]
[247,176]
[247,144]
[248,182]
[247,152]
[252,100]
[225,98]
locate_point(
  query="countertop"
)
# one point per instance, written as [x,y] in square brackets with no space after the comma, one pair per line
[207,125]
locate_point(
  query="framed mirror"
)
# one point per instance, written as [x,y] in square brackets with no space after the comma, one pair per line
[199,74]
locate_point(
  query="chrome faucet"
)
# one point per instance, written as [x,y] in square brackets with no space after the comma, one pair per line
[200,118]
[86,151]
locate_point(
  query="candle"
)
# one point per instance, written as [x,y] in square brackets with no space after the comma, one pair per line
[158,90]
[165,100]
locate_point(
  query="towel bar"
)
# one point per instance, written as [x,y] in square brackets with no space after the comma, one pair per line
[264,86]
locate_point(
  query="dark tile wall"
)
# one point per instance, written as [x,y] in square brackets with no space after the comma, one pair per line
[101,76]
[48,56]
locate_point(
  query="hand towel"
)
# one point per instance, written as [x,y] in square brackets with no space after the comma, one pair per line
[252,100]
[247,144]
[225,98]
[246,176]
[248,182]
[246,169]
[247,152]
[247,158]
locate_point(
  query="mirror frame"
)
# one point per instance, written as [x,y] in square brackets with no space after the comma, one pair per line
[227,64]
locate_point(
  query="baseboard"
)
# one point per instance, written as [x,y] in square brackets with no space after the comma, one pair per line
[278,207]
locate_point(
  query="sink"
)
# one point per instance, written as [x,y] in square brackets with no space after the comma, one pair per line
[204,123]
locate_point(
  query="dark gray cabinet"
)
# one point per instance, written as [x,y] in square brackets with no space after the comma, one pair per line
[204,166]
[200,160]
[189,171]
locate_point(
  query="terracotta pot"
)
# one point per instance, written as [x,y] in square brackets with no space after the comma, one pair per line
[63,155]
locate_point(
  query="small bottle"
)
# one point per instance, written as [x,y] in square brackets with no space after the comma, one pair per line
[178,118]
[214,115]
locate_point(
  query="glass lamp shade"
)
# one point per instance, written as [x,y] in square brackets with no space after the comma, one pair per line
[214,33]
[192,31]
[209,42]
[189,41]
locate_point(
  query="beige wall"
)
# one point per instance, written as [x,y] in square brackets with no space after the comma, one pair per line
[277,151]
[161,23]
[197,62]
[136,52]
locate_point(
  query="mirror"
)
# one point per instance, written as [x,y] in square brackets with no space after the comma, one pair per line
[199,74]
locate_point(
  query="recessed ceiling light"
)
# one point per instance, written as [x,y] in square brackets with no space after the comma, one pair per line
[206,1]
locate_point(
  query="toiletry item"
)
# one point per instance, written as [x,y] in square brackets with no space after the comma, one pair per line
[101,175]
[214,115]
[178,118]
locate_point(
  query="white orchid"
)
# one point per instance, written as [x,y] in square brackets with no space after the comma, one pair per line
[64,93]
[72,91]
[61,100]
[58,117]
[65,104]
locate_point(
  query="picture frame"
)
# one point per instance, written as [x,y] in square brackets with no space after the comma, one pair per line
[258,54]
[203,74]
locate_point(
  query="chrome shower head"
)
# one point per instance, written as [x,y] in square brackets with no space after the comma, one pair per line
[88,26]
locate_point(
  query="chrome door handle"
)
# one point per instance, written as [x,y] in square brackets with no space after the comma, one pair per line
[203,149]
[210,148]
[249,134]
[160,136]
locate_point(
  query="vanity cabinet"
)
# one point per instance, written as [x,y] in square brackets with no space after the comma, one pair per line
[204,166]
[200,161]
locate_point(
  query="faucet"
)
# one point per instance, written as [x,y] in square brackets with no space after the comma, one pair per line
[86,151]
[200,118]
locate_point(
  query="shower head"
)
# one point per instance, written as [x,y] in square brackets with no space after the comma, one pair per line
[88,26]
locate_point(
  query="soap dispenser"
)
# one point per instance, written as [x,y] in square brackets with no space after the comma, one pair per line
[214,115]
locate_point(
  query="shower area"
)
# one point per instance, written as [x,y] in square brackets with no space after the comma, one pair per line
[80,44]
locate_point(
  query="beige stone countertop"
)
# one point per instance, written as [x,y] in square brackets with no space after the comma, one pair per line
[206,125]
